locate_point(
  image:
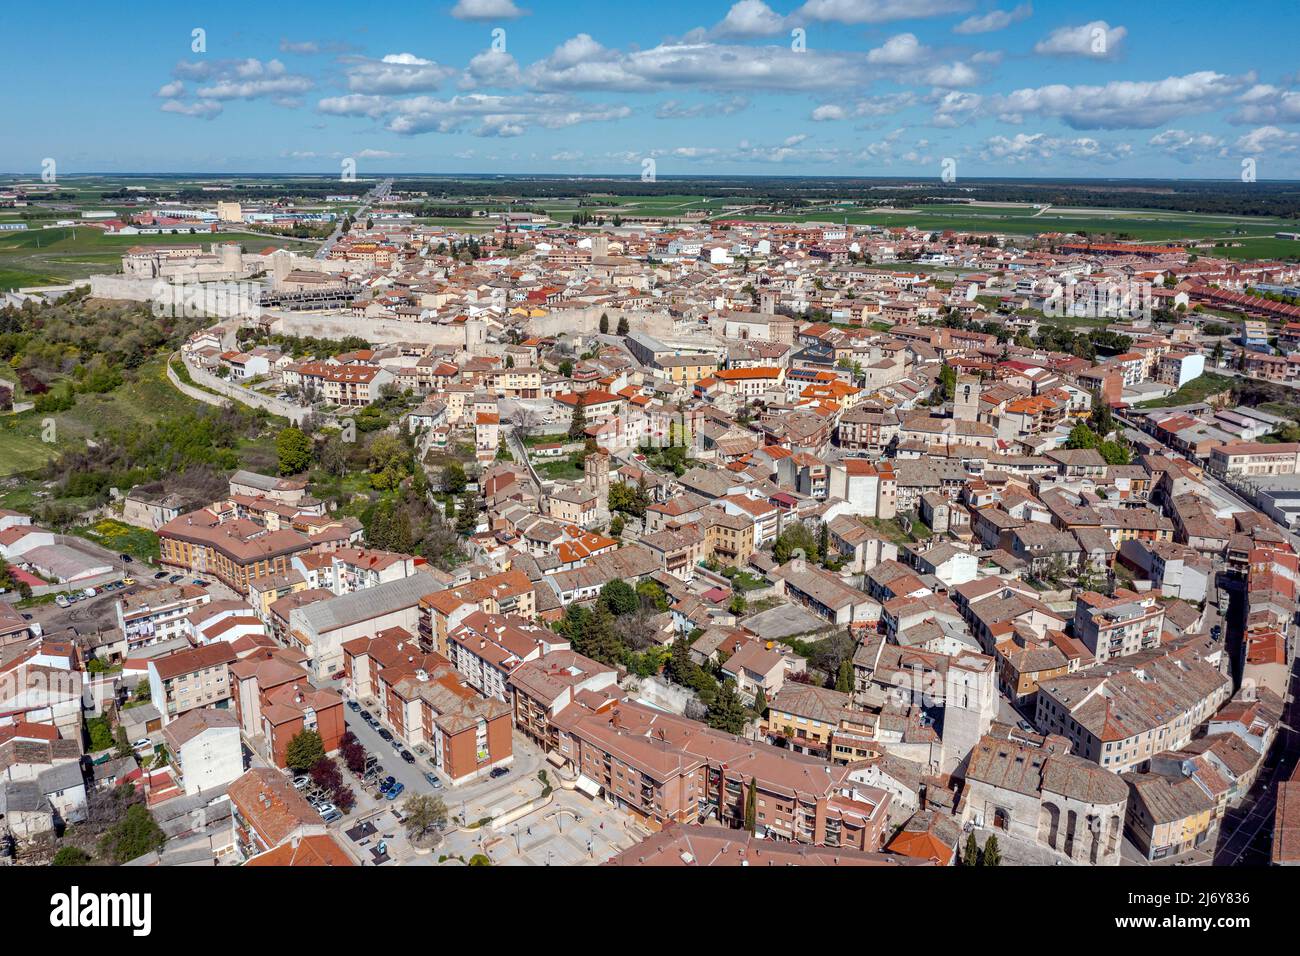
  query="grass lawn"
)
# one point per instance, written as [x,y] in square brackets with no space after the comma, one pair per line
[1197,390]
[121,538]
[890,529]
[559,470]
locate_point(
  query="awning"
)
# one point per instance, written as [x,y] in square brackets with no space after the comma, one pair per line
[554,758]
[588,786]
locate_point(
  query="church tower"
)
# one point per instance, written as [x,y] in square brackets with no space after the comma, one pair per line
[966,399]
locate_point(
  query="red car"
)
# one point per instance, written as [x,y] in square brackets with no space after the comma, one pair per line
[338,676]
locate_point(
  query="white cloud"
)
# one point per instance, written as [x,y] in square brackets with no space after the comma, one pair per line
[200,109]
[829,111]
[583,64]
[171,90]
[1121,104]
[1184,146]
[1097,40]
[379,154]
[503,116]
[246,79]
[673,109]
[1268,139]
[1265,103]
[354,104]
[993,20]
[870,107]
[748,19]
[901,50]
[487,10]
[302,48]
[491,68]
[878,11]
[1039,147]
[396,73]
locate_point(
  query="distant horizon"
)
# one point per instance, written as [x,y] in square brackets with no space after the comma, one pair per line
[632,177]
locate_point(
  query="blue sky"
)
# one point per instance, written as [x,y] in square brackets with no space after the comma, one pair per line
[820,87]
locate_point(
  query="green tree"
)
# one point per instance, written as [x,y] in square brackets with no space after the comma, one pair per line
[737,604]
[136,834]
[795,538]
[992,856]
[1081,436]
[618,597]
[970,856]
[467,519]
[71,856]
[616,526]
[727,712]
[623,328]
[424,814]
[653,595]
[844,677]
[760,703]
[293,449]
[453,479]
[604,323]
[751,806]
[1114,452]
[305,750]
[578,423]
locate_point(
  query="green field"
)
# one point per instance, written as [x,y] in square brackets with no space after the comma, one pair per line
[122,538]
[74,252]
[147,399]
[1145,225]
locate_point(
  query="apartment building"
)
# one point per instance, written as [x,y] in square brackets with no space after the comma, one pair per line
[234,551]
[666,769]
[190,679]
[153,615]
[1118,626]
[1247,458]
[1121,715]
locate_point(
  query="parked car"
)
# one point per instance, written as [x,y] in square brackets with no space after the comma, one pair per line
[353,706]
[394,791]
[127,582]
[408,756]
[499,772]
[125,558]
[331,816]
[396,745]
[387,783]
[174,578]
[300,782]
[338,675]
[142,743]
[365,715]
[434,780]
[62,601]
[385,734]
[200,582]
[90,592]
[160,574]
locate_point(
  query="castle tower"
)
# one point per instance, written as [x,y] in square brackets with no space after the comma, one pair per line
[966,400]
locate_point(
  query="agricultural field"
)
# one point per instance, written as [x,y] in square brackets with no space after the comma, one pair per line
[1140,224]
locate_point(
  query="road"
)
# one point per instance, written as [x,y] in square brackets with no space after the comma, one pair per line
[377,193]
[1246,832]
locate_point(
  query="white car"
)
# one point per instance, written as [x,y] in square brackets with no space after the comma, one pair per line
[142,743]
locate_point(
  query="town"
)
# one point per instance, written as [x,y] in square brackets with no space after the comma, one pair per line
[659,540]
